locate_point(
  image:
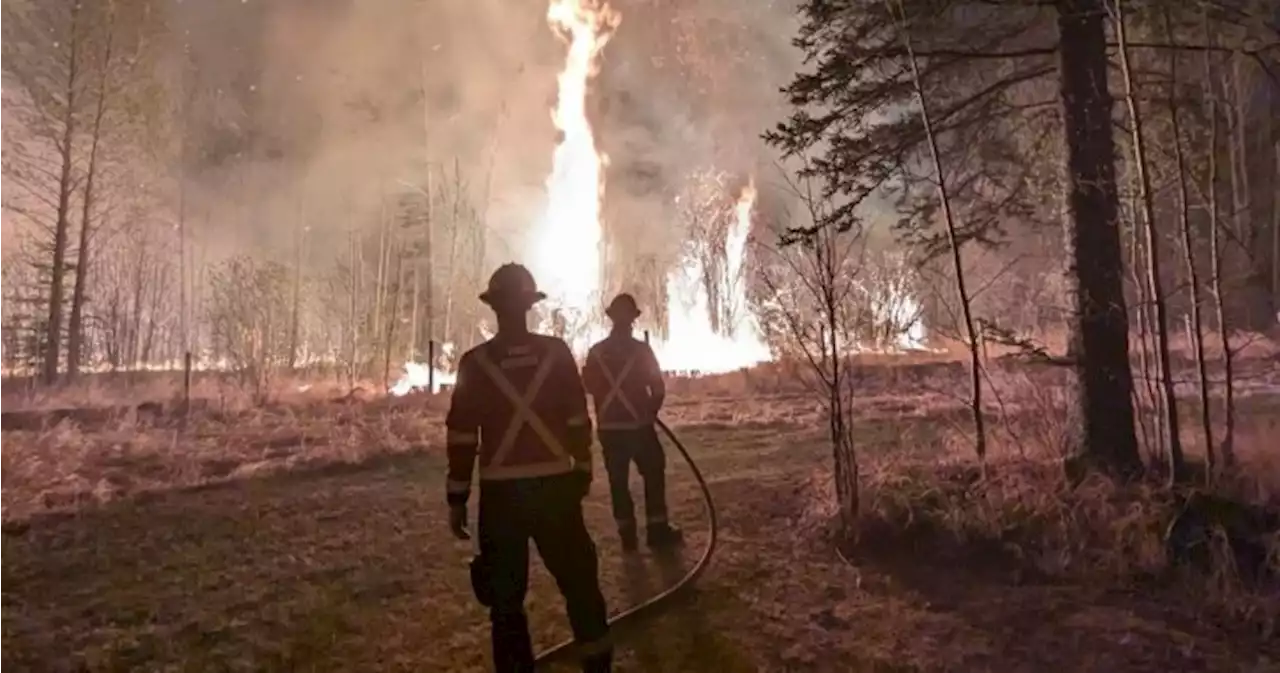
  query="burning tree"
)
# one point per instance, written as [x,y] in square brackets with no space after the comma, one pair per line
[706,209]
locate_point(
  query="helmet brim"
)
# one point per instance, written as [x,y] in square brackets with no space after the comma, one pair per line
[489,297]
[622,313]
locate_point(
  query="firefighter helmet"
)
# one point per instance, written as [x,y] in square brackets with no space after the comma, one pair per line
[623,307]
[512,282]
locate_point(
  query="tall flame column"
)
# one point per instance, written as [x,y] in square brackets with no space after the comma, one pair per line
[567,243]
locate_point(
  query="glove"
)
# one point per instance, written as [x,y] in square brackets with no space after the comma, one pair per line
[582,483]
[458,522]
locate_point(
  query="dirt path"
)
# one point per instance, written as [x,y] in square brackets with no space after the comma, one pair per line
[354,570]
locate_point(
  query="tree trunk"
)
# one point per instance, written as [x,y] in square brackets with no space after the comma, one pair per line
[451,279]
[1215,252]
[75,339]
[957,262]
[183,160]
[139,290]
[1275,209]
[1177,465]
[393,317]
[353,328]
[295,310]
[1258,306]
[430,229]
[1188,251]
[1098,323]
[430,254]
[58,269]
[844,458]
[1153,442]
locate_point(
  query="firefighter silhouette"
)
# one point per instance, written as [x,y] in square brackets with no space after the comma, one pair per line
[625,382]
[520,408]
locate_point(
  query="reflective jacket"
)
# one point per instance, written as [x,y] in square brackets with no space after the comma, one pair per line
[625,382]
[519,405]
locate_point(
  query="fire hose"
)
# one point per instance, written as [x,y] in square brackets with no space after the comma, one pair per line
[558,652]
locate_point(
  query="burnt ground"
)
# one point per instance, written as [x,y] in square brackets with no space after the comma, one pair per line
[351,567]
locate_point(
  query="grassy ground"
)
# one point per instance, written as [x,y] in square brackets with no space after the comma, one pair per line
[348,565]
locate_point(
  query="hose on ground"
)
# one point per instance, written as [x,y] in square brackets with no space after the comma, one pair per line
[558,652]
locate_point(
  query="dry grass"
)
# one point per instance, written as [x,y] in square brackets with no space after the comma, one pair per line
[311,536]
[1051,563]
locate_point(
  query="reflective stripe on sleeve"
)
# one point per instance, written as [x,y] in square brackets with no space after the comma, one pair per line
[456,487]
[578,421]
[582,465]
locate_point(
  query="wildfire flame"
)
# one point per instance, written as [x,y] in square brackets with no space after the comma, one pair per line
[567,251]
[693,344]
[418,376]
[566,246]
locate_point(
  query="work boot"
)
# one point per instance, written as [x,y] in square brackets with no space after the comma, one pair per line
[629,539]
[663,536]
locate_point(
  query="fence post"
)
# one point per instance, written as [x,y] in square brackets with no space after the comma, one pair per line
[186,383]
[431,366]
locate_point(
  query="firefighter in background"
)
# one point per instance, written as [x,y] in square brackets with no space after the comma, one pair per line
[625,382]
[519,403]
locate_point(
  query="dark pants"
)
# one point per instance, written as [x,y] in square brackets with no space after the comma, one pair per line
[641,445]
[548,510]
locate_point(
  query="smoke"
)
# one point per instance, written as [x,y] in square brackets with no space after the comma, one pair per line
[315,109]
[687,87]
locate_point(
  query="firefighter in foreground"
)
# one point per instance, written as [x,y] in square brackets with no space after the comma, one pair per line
[519,403]
[625,382]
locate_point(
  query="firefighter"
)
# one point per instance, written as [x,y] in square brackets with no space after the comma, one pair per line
[519,404]
[625,382]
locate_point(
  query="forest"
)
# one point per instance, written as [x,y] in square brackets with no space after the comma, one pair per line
[987,288]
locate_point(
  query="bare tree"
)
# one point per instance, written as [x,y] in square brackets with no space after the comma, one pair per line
[809,283]
[248,305]
[1188,251]
[1177,466]
[1216,251]
[300,229]
[464,229]
[975,362]
[52,81]
[101,94]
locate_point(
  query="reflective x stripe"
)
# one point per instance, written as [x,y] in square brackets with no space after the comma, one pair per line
[520,405]
[615,386]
